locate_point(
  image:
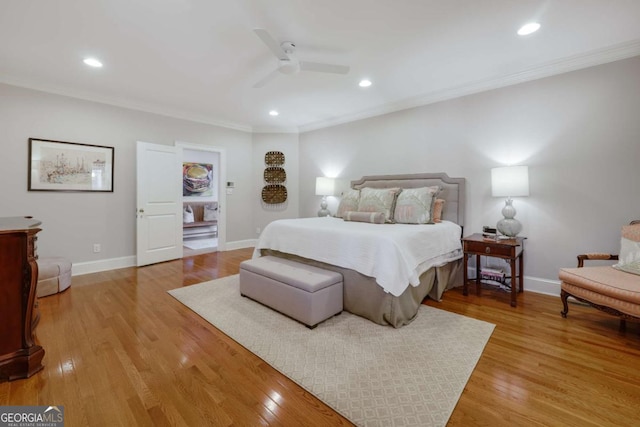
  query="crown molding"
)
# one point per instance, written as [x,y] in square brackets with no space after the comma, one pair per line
[275,129]
[565,65]
[118,102]
[573,63]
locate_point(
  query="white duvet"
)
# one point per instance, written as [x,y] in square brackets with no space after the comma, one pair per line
[394,254]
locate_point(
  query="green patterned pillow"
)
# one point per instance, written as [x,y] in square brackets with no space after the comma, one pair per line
[415,205]
[378,200]
[348,202]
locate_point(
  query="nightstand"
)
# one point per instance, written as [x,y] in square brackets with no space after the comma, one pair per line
[508,249]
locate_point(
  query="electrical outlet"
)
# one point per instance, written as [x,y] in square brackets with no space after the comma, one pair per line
[96,248]
[258,230]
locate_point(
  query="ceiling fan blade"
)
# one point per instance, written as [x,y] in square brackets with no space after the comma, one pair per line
[271,43]
[324,68]
[272,75]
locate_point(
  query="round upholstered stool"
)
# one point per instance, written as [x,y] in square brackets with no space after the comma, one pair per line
[54,275]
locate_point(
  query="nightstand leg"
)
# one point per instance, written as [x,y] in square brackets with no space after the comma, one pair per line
[478,287]
[520,270]
[514,285]
[465,275]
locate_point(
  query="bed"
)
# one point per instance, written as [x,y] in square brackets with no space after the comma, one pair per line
[388,269]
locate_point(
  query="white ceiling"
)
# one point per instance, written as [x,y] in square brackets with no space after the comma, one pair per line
[198,59]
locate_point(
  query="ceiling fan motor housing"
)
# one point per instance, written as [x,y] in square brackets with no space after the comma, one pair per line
[289,66]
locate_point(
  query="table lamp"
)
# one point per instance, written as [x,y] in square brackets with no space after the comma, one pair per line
[509,181]
[325,187]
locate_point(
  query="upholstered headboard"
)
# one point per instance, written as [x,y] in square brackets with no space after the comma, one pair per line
[453,189]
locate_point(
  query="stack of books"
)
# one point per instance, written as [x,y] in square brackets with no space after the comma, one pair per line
[492,274]
[489,232]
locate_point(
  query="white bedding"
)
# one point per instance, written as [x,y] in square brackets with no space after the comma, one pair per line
[394,254]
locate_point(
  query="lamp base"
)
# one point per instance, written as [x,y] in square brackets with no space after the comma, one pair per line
[509,226]
[323,208]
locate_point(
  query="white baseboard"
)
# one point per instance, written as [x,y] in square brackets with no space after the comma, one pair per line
[89,267]
[80,268]
[241,244]
[542,286]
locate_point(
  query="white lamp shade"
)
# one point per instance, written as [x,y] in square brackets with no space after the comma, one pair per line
[325,186]
[510,181]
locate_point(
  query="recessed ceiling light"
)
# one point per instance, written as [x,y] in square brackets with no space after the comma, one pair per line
[273,113]
[364,83]
[529,28]
[92,62]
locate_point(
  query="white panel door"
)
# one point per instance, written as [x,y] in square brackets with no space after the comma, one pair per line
[159,203]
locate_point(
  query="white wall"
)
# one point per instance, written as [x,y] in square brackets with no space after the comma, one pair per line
[287,143]
[73,222]
[579,133]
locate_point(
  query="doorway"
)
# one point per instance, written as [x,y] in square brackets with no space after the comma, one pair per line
[203,235]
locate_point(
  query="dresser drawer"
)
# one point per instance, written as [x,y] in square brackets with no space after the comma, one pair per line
[488,248]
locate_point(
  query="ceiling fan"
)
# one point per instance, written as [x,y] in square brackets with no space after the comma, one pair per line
[288,63]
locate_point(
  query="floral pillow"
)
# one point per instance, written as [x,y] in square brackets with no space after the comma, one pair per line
[348,202]
[378,200]
[629,258]
[415,205]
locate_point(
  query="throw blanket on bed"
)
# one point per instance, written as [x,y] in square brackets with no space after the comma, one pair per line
[394,254]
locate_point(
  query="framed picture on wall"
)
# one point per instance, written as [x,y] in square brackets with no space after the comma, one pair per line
[197,179]
[69,166]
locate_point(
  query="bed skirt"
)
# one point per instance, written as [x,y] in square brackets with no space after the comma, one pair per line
[365,298]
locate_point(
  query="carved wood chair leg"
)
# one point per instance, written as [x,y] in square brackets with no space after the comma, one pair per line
[564,296]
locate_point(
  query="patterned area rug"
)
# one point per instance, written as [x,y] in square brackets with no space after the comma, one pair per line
[373,375]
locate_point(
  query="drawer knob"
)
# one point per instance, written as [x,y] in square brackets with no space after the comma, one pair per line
[487,250]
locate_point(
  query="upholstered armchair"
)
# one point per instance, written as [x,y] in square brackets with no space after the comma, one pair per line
[614,289]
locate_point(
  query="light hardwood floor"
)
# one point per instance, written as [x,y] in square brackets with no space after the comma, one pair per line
[121,351]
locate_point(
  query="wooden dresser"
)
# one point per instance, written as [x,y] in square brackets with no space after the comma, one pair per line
[20,356]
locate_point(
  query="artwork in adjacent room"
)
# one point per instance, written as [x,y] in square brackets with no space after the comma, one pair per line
[197,179]
[69,166]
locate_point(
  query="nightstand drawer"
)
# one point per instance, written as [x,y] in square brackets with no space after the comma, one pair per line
[488,248]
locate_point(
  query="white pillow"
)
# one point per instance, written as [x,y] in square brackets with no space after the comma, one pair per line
[187,215]
[629,258]
[210,212]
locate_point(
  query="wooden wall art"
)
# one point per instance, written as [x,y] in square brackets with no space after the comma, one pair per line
[274,192]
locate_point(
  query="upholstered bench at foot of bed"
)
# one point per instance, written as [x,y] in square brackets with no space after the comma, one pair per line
[305,293]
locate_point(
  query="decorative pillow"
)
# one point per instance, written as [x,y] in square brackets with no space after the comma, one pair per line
[372,217]
[415,205]
[210,212]
[438,205]
[629,258]
[378,200]
[187,215]
[348,202]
